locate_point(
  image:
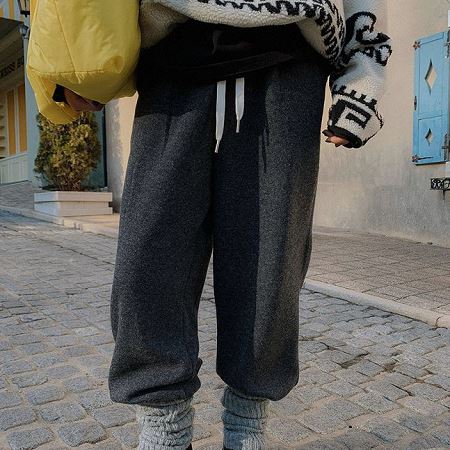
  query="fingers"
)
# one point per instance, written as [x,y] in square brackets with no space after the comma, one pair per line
[79,103]
[336,140]
[333,139]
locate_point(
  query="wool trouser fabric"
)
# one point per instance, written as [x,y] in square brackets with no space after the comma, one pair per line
[252,202]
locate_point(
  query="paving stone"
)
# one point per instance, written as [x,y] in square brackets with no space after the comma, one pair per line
[397,379]
[29,379]
[8,356]
[64,340]
[324,365]
[439,380]
[45,394]
[79,350]
[86,432]
[358,440]
[320,421]
[13,417]
[425,442]
[351,376]
[62,412]
[411,371]
[95,399]
[423,406]
[367,368]
[100,372]
[49,360]
[287,430]
[93,361]
[81,384]
[29,439]
[373,401]
[341,387]
[110,444]
[98,339]
[312,346]
[20,366]
[344,409]
[336,356]
[309,394]
[208,415]
[413,420]
[34,348]
[385,429]
[8,399]
[321,444]
[86,331]
[128,434]
[60,372]
[288,406]
[442,433]
[114,415]
[5,345]
[387,390]
[315,376]
[427,391]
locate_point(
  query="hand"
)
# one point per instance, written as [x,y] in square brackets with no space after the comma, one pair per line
[333,139]
[79,103]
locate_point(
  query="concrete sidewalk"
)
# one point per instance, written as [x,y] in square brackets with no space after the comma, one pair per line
[397,275]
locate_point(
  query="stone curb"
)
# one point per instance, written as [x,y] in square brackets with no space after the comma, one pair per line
[64,221]
[424,315]
[432,318]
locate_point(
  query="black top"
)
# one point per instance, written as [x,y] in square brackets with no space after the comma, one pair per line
[207,52]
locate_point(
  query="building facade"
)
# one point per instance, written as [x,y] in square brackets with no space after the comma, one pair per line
[19,134]
[14,129]
[384,188]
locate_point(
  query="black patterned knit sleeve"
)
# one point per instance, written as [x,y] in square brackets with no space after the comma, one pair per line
[359,80]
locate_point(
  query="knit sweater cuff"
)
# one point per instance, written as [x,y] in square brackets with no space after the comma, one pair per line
[166,427]
[353,116]
[244,420]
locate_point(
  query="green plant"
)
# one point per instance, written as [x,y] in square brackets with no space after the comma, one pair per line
[67,153]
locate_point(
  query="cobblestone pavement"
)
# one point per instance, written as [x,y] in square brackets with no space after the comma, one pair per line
[369,378]
[401,270]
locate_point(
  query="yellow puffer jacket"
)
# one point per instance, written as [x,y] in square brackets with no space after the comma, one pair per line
[89,46]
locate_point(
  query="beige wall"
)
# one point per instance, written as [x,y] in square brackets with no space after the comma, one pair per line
[377,188]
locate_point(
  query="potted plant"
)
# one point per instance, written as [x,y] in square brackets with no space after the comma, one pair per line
[67,154]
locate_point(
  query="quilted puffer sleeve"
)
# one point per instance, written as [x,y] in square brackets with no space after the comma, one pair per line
[358,81]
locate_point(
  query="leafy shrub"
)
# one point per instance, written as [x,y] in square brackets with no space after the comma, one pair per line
[67,153]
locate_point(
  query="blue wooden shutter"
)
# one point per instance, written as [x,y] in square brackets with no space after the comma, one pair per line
[431,90]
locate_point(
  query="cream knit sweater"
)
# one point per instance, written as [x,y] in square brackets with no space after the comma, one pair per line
[349,33]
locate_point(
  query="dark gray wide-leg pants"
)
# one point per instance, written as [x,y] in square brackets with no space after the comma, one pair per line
[252,201]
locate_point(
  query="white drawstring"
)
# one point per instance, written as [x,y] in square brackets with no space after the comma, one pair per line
[239,100]
[220,107]
[220,112]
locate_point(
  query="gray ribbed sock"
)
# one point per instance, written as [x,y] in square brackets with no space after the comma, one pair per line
[244,420]
[166,427]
